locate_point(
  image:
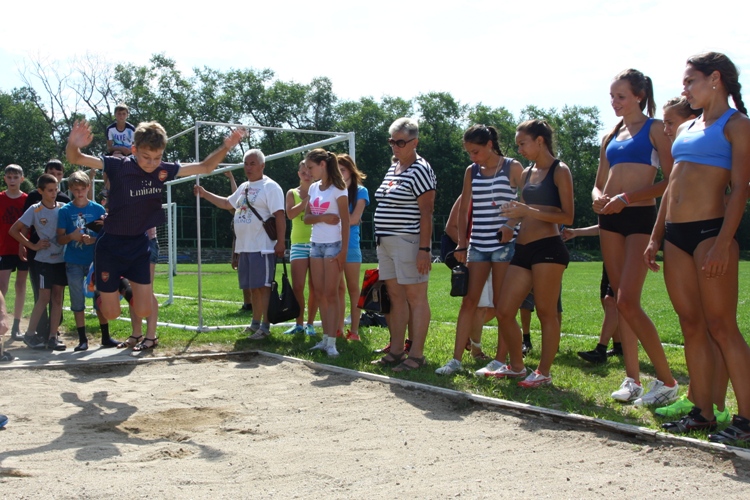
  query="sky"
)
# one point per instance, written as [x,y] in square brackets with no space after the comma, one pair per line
[545,53]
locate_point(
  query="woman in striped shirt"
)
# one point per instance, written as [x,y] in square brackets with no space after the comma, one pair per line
[489,182]
[403,228]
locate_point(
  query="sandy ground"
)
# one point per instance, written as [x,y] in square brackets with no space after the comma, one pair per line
[256,427]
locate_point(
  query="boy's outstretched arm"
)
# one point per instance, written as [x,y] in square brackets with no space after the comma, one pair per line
[80,137]
[212,161]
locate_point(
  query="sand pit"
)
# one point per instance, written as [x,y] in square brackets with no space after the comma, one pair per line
[257,427]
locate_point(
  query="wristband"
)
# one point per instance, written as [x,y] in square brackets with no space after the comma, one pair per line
[623,199]
[509,227]
[625,195]
[425,249]
[459,250]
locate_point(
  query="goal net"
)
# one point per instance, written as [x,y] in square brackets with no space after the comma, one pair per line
[171,253]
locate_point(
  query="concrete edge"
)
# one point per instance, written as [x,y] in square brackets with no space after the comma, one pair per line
[640,433]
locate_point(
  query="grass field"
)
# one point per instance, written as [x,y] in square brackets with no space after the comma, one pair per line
[577,386]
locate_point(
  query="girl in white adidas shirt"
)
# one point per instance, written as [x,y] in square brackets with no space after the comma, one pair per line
[328,212]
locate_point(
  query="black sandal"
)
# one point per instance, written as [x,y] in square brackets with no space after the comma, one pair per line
[144,347]
[128,343]
[391,359]
[406,366]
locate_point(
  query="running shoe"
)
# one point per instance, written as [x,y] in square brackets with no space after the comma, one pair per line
[450,367]
[320,346]
[615,351]
[352,337]
[294,330]
[16,335]
[677,409]
[736,434]
[331,351]
[490,369]
[594,356]
[535,379]
[34,341]
[691,422]
[629,391]
[387,348]
[723,417]
[526,347]
[310,330]
[54,344]
[658,394]
[3,421]
[259,334]
[507,372]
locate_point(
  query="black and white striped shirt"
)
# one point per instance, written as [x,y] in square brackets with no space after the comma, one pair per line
[487,196]
[398,211]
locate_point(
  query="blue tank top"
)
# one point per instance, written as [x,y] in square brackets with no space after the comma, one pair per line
[708,146]
[637,149]
[544,193]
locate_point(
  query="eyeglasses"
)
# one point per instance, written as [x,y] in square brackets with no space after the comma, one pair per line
[400,143]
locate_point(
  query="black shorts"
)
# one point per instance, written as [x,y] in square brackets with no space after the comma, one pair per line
[52,275]
[13,262]
[604,289]
[688,235]
[632,220]
[550,250]
[121,256]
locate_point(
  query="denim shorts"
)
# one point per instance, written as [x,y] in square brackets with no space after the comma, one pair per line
[76,276]
[324,250]
[502,254]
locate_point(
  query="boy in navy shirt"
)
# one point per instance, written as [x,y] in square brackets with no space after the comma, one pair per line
[135,197]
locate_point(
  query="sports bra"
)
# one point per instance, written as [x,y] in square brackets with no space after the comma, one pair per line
[708,146]
[637,149]
[544,193]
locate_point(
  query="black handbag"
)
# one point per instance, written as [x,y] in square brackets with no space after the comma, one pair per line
[376,299]
[459,281]
[282,306]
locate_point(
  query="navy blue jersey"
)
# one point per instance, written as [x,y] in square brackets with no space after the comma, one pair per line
[135,196]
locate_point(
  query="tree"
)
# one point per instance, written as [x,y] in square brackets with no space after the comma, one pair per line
[26,137]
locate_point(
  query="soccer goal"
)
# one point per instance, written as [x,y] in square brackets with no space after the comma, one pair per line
[330,138]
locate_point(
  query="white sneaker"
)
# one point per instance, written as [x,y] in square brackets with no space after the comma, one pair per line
[320,346]
[658,394]
[629,391]
[450,367]
[331,351]
[507,372]
[490,369]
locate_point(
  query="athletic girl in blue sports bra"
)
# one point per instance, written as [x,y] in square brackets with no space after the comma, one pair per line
[698,222]
[624,197]
[541,256]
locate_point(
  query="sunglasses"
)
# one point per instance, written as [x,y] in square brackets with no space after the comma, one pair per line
[400,143]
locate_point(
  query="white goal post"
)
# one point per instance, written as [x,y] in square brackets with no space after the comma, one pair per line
[332,138]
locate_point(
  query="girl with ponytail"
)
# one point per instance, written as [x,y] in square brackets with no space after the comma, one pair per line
[624,196]
[541,256]
[489,182]
[328,213]
[698,223]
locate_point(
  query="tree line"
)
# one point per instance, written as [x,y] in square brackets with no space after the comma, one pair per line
[35,121]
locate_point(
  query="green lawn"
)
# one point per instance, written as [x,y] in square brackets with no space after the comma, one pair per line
[578,387]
